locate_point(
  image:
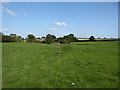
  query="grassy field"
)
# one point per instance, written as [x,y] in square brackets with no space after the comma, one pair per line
[35,65]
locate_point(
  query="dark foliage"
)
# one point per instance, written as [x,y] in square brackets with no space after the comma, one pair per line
[50,39]
[31,38]
[92,38]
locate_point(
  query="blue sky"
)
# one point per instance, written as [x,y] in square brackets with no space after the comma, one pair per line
[83,19]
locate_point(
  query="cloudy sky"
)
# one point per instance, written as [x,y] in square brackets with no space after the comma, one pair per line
[83,19]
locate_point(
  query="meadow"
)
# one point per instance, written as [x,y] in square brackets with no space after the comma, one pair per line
[36,65]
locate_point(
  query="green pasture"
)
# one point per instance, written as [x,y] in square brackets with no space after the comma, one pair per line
[36,65]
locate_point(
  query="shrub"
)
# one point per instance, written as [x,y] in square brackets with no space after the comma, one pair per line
[92,38]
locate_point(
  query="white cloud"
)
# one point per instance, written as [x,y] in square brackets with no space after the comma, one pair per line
[60,23]
[3,29]
[7,11]
[10,12]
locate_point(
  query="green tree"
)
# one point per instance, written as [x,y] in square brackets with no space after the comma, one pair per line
[31,38]
[104,37]
[92,38]
[13,37]
[50,39]
[59,39]
[62,40]
[70,38]
[19,38]
[6,38]
[98,37]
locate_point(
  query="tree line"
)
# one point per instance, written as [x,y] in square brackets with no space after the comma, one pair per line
[48,39]
[11,38]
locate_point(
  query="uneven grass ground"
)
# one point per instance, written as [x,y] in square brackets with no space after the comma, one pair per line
[35,65]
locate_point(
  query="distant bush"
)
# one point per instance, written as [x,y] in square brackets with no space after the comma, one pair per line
[10,38]
[50,39]
[31,38]
[62,41]
[70,38]
[7,38]
[92,38]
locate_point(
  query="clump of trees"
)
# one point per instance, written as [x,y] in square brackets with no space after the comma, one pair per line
[11,38]
[61,40]
[66,39]
[70,38]
[49,39]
